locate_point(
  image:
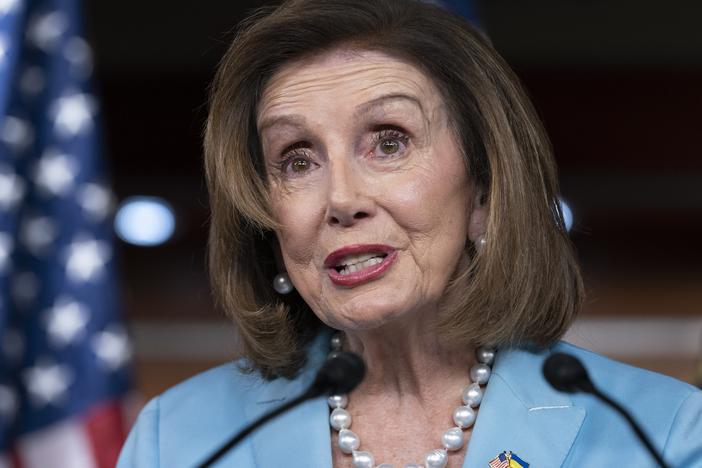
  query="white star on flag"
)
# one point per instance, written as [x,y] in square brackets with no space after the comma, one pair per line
[4,48]
[16,133]
[66,321]
[86,258]
[55,173]
[96,200]
[73,114]
[6,246]
[47,383]
[112,347]
[12,188]
[8,6]
[46,30]
[8,403]
[78,53]
[37,234]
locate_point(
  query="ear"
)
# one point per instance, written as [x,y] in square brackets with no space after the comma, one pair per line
[478,215]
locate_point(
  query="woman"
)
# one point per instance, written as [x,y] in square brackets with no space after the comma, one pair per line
[375,169]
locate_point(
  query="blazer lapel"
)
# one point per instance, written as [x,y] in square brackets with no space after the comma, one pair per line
[520,412]
[301,437]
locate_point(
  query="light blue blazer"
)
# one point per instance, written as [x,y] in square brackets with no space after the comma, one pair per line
[520,412]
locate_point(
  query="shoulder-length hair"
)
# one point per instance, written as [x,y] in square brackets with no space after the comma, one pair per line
[523,287]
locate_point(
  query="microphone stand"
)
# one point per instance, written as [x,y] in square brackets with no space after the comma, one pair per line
[643,437]
[566,373]
[241,435]
[339,374]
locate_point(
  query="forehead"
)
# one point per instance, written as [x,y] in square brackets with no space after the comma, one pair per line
[344,76]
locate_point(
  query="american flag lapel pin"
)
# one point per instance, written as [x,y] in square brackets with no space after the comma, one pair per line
[508,459]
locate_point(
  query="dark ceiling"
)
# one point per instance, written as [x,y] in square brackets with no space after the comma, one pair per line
[151,36]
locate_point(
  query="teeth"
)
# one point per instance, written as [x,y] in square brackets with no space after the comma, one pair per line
[358,258]
[360,266]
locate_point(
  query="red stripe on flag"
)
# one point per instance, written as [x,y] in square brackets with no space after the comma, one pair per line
[104,425]
[497,463]
[15,460]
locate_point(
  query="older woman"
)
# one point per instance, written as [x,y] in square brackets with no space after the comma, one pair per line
[375,170]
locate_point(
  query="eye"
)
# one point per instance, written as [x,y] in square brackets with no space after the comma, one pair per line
[296,164]
[390,146]
[299,165]
[295,159]
[390,142]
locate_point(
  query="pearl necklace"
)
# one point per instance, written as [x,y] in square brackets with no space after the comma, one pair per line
[463,416]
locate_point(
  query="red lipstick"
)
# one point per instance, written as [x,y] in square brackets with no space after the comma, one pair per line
[350,279]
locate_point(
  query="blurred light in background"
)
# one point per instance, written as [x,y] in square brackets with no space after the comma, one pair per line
[567,214]
[145,221]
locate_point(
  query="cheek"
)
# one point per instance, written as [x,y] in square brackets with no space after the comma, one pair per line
[438,228]
[298,233]
[427,201]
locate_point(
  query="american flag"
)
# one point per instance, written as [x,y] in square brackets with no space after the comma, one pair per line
[500,461]
[64,353]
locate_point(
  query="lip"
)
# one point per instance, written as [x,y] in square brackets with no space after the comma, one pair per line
[362,276]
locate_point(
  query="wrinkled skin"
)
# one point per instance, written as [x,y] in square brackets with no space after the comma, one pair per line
[366,169]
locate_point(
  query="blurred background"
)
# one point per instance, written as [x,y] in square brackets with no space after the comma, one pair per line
[618,85]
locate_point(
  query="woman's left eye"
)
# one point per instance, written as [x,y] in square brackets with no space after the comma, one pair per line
[389,143]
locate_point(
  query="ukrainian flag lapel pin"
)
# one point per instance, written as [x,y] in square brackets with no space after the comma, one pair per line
[507,459]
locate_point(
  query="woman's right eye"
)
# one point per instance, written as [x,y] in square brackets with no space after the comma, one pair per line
[298,164]
[295,160]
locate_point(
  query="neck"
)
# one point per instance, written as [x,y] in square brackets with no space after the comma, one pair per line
[408,361]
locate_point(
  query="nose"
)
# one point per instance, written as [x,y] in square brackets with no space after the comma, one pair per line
[348,199]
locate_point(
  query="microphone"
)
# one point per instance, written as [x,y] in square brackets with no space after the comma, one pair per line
[567,374]
[339,374]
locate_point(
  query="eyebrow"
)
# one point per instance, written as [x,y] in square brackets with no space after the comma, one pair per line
[297,120]
[367,107]
[292,120]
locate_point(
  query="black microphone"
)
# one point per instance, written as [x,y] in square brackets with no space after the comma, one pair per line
[567,374]
[339,374]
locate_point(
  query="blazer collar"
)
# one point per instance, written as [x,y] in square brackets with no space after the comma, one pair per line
[301,437]
[520,412]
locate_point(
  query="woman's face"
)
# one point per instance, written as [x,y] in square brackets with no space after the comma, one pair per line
[368,183]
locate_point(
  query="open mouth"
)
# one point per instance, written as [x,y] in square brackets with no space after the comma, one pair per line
[354,263]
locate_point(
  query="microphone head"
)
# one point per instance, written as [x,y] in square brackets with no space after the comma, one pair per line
[566,373]
[340,374]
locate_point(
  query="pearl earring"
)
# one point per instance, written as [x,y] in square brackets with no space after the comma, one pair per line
[282,283]
[480,243]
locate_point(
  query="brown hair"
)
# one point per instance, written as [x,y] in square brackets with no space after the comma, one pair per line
[524,287]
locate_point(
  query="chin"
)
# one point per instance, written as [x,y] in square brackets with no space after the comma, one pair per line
[366,313]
